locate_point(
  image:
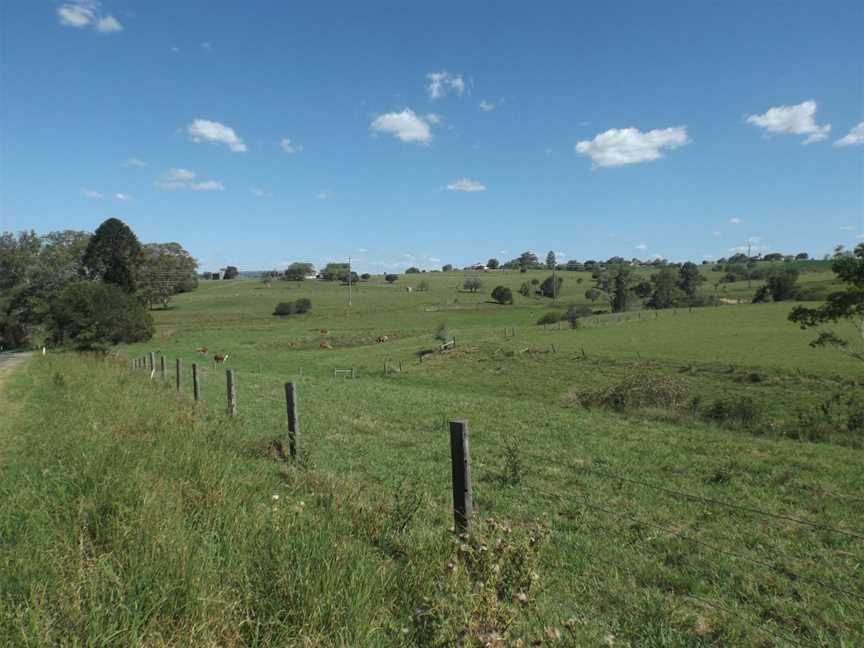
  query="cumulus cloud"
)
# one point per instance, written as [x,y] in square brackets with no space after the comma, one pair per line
[439,84]
[620,146]
[466,185]
[204,130]
[134,162]
[122,196]
[289,147]
[90,193]
[407,126]
[487,106]
[797,120]
[735,220]
[327,194]
[641,246]
[260,193]
[87,14]
[176,179]
[854,137]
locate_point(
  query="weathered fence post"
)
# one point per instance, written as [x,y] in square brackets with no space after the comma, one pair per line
[460,460]
[152,361]
[162,366]
[179,373]
[196,382]
[291,405]
[232,392]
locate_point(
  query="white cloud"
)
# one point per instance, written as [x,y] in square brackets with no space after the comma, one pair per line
[560,255]
[715,233]
[289,147]
[854,137]
[735,220]
[204,130]
[176,179]
[797,120]
[487,106]
[641,246]
[744,249]
[432,118]
[90,193]
[466,185]
[87,14]
[848,228]
[406,126]
[122,196]
[438,84]
[619,146]
[327,194]
[260,193]
[134,162]
[207,47]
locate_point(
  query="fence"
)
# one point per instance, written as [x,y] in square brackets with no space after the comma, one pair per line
[616,517]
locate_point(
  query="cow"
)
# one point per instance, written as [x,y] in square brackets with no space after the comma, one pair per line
[325,345]
[324,332]
[381,339]
[220,358]
[202,350]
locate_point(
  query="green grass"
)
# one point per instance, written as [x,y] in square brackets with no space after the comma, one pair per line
[130,517]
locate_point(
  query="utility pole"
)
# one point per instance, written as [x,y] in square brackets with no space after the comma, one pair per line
[749,272]
[349,281]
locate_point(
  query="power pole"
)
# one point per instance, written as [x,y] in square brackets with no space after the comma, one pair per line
[349,281]
[749,273]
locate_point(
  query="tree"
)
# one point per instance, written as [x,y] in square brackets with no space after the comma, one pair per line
[689,279]
[527,261]
[390,278]
[93,315]
[781,285]
[365,276]
[472,284]
[493,263]
[593,294]
[551,287]
[447,267]
[284,308]
[802,256]
[231,272]
[166,269]
[621,289]
[298,271]
[335,272]
[525,289]
[643,289]
[550,260]
[847,304]
[575,313]
[502,295]
[412,270]
[113,255]
[774,256]
[666,293]
[302,305]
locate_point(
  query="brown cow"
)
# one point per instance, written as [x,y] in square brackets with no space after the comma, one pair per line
[381,339]
[324,332]
[220,358]
[202,350]
[325,345]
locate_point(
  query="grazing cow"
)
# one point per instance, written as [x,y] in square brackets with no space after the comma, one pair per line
[220,358]
[325,345]
[381,339]
[202,350]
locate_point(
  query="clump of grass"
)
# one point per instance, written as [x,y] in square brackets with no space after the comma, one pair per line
[635,392]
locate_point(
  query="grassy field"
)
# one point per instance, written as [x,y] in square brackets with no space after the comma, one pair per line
[595,528]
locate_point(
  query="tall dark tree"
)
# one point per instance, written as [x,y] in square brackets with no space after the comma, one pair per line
[689,279]
[847,305]
[551,260]
[493,263]
[666,293]
[622,290]
[113,255]
[231,272]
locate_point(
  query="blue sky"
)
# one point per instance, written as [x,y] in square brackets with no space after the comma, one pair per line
[401,134]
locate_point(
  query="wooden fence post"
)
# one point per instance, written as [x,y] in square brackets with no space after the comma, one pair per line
[196,382]
[179,373]
[152,361]
[162,366]
[232,392]
[460,460]
[291,405]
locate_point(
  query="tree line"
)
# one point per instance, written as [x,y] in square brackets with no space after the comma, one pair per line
[86,290]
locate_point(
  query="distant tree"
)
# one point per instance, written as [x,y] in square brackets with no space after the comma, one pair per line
[622,291]
[423,286]
[802,256]
[493,263]
[302,305]
[550,260]
[94,315]
[298,271]
[666,292]
[689,279]
[166,269]
[390,278]
[335,272]
[412,270]
[525,289]
[574,266]
[284,308]
[207,275]
[343,277]
[113,255]
[643,289]
[472,284]
[528,261]
[847,304]
[447,267]
[231,272]
[502,295]
[774,256]
[574,313]
[593,294]
[616,260]
[365,276]
[551,288]
[781,285]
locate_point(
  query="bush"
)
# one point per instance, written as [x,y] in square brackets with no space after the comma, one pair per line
[574,313]
[93,315]
[734,411]
[549,318]
[472,284]
[638,390]
[442,333]
[502,295]
[300,306]
[390,278]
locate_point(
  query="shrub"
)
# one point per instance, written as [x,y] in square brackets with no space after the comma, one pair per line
[734,411]
[284,308]
[636,391]
[472,284]
[365,276]
[94,315]
[549,318]
[574,313]
[502,295]
[302,305]
[412,270]
[442,332]
[525,289]
[390,278]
